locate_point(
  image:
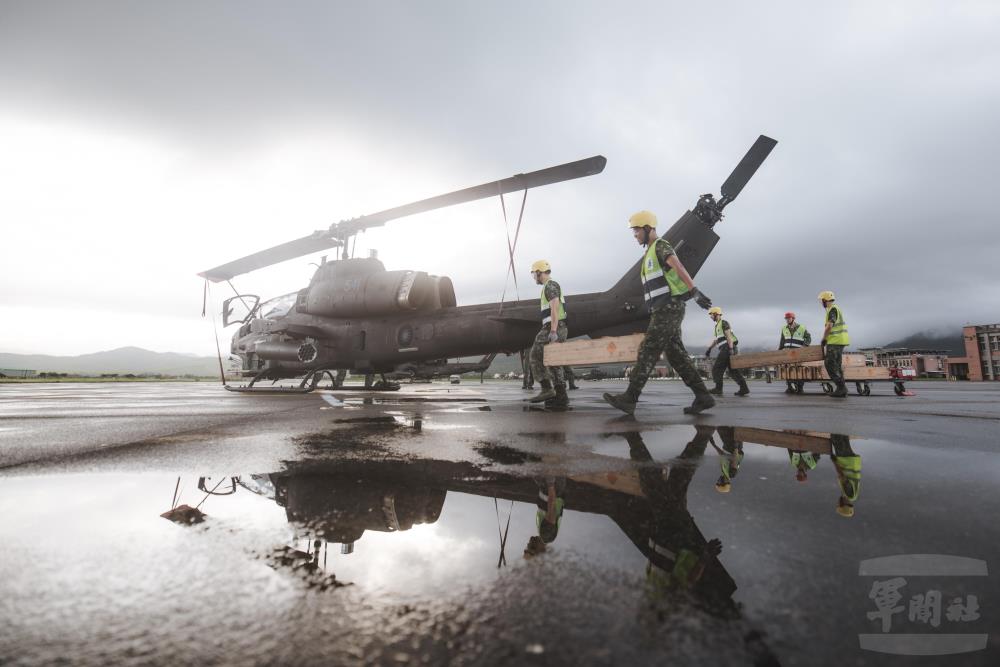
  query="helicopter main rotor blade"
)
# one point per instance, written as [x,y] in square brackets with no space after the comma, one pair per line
[747,167]
[340,231]
[563,172]
[306,245]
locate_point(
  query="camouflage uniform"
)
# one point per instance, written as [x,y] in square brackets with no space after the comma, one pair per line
[834,362]
[723,363]
[538,368]
[527,379]
[663,336]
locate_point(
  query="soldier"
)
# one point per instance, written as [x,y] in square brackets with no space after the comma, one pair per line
[728,348]
[793,335]
[835,339]
[667,286]
[570,377]
[553,330]
[527,382]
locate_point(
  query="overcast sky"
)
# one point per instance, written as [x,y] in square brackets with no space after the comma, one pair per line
[141,143]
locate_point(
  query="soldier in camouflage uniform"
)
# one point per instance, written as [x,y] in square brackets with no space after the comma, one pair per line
[667,286]
[553,330]
[527,380]
[835,339]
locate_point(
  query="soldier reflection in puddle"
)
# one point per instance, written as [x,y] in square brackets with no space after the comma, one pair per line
[803,461]
[730,458]
[848,465]
[805,450]
[551,501]
[680,560]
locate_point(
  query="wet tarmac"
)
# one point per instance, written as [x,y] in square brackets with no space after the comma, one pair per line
[178,523]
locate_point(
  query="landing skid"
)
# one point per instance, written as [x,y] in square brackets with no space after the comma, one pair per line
[269,390]
[311,382]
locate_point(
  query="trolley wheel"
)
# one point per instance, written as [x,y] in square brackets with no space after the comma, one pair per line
[867,389]
[800,387]
[827,388]
[898,388]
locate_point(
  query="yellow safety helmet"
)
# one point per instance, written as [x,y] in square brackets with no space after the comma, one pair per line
[642,219]
[725,487]
[845,510]
[826,295]
[714,310]
[541,265]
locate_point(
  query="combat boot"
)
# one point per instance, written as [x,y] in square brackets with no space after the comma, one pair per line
[702,399]
[561,399]
[715,391]
[545,394]
[572,385]
[744,390]
[789,389]
[624,402]
[840,391]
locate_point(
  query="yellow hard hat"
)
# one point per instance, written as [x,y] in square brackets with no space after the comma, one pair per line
[845,510]
[642,219]
[714,310]
[826,295]
[541,265]
[723,487]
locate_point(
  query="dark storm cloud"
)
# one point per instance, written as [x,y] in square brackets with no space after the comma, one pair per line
[879,189]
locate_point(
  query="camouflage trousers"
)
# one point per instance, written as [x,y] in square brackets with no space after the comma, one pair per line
[723,363]
[663,336]
[834,362]
[538,368]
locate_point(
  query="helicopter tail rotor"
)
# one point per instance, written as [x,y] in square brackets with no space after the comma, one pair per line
[747,167]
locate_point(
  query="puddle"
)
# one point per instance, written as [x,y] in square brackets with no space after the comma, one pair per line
[715,545]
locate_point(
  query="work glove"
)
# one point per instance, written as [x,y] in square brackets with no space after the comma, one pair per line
[553,337]
[703,301]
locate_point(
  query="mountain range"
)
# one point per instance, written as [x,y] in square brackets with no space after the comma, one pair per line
[121,360]
[138,360]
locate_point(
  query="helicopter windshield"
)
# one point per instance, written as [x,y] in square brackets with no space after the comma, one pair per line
[278,306]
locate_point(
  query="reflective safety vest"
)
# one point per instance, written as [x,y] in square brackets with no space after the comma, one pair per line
[546,314]
[730,465]
[795,338]
[838,332]
[850,475]
[798,458]
[657,284]
[720,336]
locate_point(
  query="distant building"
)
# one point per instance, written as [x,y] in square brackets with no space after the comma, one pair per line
[924,363]
[17,373]
[982,354]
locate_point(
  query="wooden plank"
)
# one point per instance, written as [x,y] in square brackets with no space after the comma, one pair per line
[606,350]
[777,357]
[622,482]
[809,441]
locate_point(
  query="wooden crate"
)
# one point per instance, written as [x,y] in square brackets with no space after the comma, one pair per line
[606,350]
[818,373]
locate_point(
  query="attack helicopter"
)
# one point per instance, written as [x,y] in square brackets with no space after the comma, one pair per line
[357,316]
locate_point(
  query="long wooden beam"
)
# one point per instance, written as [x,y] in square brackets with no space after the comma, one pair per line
[606,350]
